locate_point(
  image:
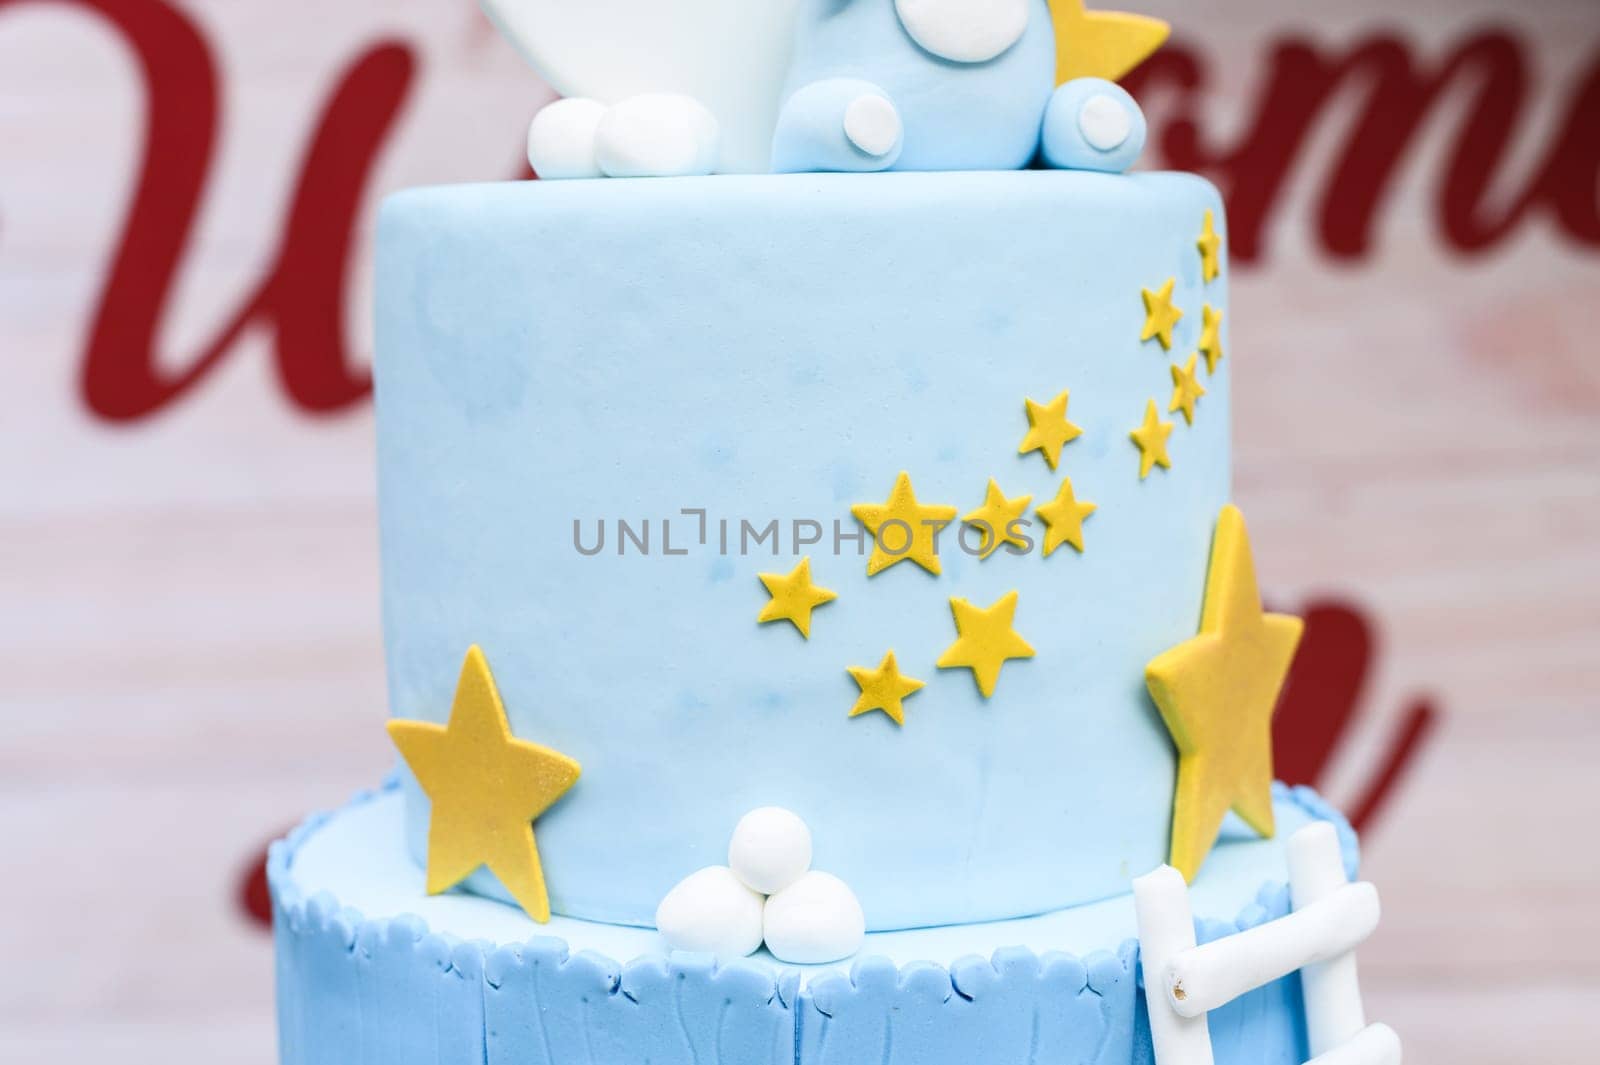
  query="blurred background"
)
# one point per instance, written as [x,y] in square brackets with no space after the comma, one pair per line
[189,628]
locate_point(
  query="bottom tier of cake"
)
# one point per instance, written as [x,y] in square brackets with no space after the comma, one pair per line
[370,969]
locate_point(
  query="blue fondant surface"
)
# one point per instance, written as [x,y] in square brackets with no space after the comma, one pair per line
[779,349]
[362,977]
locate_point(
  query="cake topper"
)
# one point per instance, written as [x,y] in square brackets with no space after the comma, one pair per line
[727,86]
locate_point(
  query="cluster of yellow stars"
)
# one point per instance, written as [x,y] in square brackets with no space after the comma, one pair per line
[906,529]
[1161,320]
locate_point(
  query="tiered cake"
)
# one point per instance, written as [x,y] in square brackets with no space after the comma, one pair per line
[889,505]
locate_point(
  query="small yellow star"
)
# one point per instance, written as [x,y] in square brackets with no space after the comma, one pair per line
[1186,389]
[794,597]
[487,788]
[884,688]
[1160,314]
[1152,440]
[903,529]
[986,641]
[995,517]
[1063,519]
[1102,44]
[1048,429]
[1210,245]
[1211,337]
[1217,693]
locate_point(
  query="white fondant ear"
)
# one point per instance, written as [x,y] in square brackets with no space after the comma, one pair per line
[711,912]
[657,135]
[561,140]
[964,31]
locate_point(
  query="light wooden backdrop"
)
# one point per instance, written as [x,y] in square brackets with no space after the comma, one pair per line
[189,645]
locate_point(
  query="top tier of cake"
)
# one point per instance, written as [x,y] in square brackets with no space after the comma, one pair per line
[696,355]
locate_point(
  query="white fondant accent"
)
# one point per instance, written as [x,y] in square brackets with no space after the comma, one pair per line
[732,55]
[1329,918]
[816,919]
[561,140]
[1334,1010]
[1375,1045]
[1166,929]
[1207,978]
[711,912]
[1104,123]
[657,135]
[872,124]
[964,31]
[771,849]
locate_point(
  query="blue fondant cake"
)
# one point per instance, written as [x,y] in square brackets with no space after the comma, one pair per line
[853,613]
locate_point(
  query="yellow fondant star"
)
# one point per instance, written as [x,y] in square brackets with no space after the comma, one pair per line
[1211,337]
[1217,693]
[1063,519]
[986,641]
[1210,245]
[903,529]
[1048,429]
[793,597]
[1152,440]
[1102,44]
[1186,389]
[487,788]
[884,688]
[994,519]
[1160,314]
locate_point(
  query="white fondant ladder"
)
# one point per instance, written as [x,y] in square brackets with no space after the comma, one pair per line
[1330,918]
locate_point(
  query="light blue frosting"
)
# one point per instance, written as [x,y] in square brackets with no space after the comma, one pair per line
[957,116]
[781,348]
[370,969]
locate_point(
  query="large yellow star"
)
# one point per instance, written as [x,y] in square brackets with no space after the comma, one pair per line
[487,788]
[1211,337]
[1210,245]
[1217,693]
[1186,389]
[884,688]
[1063,519]
[986,641]
[1161,316]
[793,597]
[1152,440]
[1102,44]
[994,519]
[903,529]
[1048,429]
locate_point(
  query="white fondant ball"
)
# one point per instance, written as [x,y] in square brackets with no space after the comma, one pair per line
[771,849]
[873,125]
[816,919]
[1104,123]
[711,912]
[561,140]
[657,135]
[964,31]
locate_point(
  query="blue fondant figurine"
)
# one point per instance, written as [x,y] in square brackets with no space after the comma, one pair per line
[942,85]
